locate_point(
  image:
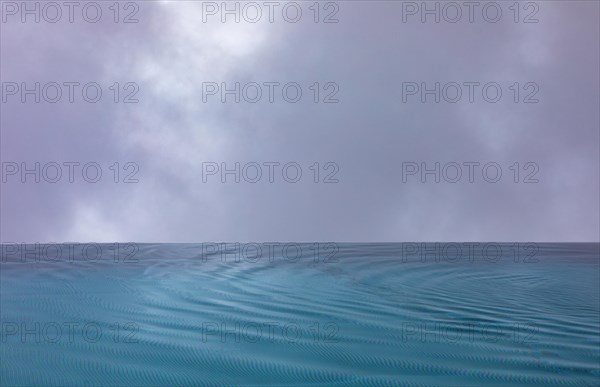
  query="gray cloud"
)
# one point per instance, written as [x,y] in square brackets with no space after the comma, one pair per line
[369,134]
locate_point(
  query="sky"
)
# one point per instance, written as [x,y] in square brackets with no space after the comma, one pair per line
[350,159]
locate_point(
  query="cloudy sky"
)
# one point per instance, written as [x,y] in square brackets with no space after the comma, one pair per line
[361,155]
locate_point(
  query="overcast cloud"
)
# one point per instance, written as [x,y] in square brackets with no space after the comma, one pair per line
[368,134]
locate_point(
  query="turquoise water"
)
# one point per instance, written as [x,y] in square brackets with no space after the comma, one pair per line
[325,314]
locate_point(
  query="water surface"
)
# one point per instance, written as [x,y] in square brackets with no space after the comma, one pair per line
[300,314]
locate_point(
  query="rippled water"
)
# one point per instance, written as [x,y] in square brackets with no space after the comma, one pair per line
[349,314]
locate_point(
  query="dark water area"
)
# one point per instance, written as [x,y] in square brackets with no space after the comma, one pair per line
[300,314]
